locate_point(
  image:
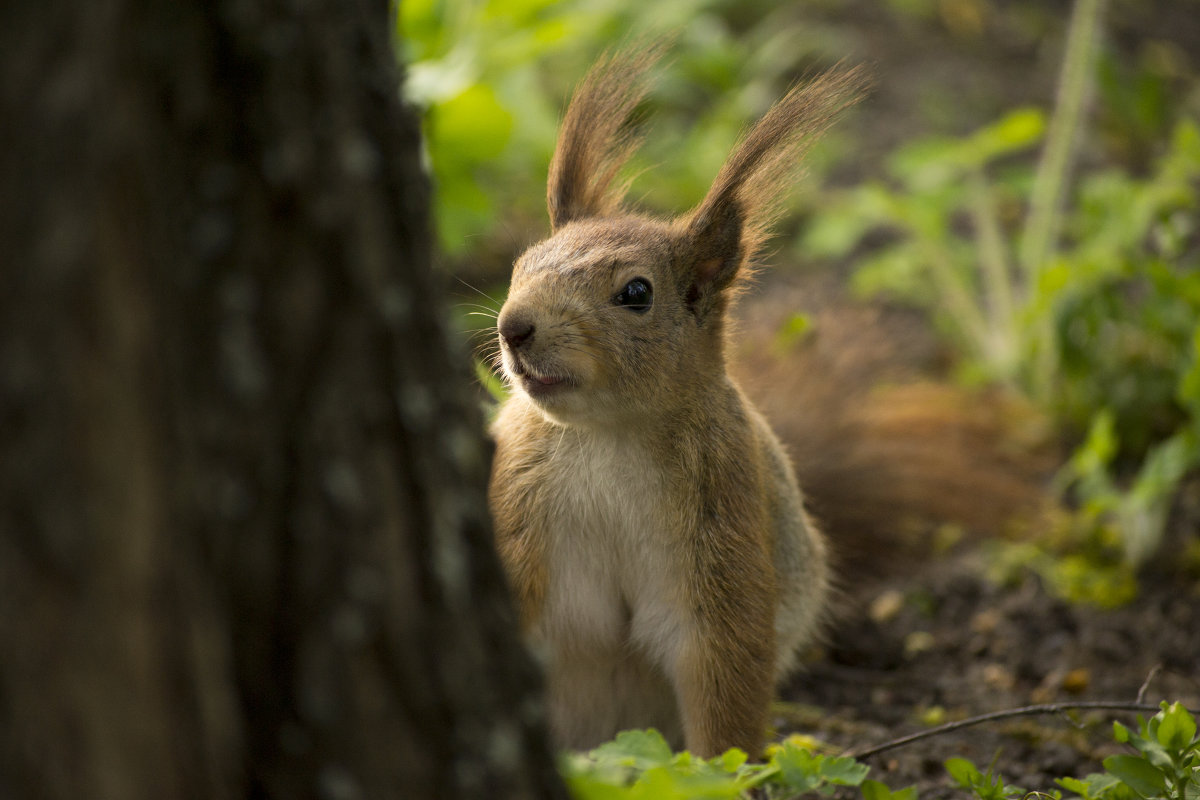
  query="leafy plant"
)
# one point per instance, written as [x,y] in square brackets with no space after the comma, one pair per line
[1130,341]
[984,785]
[930,260]
[1085,300]
[640,764]
[875,790]
[1097,785]
[1165,763]
[1088,572]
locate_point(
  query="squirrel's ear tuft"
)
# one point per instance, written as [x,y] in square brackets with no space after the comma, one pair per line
[731,224]
[594,141]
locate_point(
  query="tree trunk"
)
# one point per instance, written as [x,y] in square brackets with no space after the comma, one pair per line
[244,546]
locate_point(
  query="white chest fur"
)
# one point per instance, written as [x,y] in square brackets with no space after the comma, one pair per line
[614,562]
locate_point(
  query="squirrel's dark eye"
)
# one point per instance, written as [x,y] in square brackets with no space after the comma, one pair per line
[636,296]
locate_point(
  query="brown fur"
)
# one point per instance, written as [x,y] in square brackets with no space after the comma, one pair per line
[884,445]
[647,516]
[592,143]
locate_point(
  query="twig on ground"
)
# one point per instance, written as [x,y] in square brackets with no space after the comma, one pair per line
[1024,711]
[1157,668]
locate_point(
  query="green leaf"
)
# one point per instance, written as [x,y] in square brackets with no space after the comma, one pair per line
[1100,448]
[1188,391]
[668,783]
[964,773]
[639,749]
[1177,728]
[793,331]
[934,163]
[493,383]
[875,790]
[1096,786]
[587,787]
[836,231]
[799,769]
[467,134]
[731,760]
[899,271]
[1138,774]
[471,126]
[1144,508]
[844,771]
[1017,131]
[1082,579]
[1074,785]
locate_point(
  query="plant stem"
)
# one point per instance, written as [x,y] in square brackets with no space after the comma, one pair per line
[960,306]
[1025,711]
[1053,175]
[997,277]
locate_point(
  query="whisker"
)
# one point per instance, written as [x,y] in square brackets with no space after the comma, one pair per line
[478,338]
[482,350]
[475,289]
[480,308]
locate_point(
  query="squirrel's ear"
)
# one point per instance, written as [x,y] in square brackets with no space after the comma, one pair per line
[730,225]
[715,253]
[594,141]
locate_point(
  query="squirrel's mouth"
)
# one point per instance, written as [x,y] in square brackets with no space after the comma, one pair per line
[536,382]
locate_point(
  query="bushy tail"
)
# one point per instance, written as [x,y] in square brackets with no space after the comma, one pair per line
[884,450]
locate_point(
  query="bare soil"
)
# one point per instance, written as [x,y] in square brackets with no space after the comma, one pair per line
[943,643]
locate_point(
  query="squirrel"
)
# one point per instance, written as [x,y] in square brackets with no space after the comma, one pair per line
[647,517]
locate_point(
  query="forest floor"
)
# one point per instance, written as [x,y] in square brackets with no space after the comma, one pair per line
[944,643]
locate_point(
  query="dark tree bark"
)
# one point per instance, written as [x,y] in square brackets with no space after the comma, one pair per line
[244,549]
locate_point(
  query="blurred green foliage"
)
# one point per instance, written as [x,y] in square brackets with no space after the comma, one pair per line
[1091,307]
[492,77]
[1081,570]
[1120,297]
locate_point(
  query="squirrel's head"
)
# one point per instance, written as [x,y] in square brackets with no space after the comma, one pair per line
[618,316]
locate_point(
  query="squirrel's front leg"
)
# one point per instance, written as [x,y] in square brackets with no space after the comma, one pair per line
[724,670]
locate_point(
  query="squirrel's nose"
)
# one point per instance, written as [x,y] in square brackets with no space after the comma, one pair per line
[516,331]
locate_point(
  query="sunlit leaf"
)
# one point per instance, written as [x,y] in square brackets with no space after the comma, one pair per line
[640,749]
[1177,728]
[1138,774]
